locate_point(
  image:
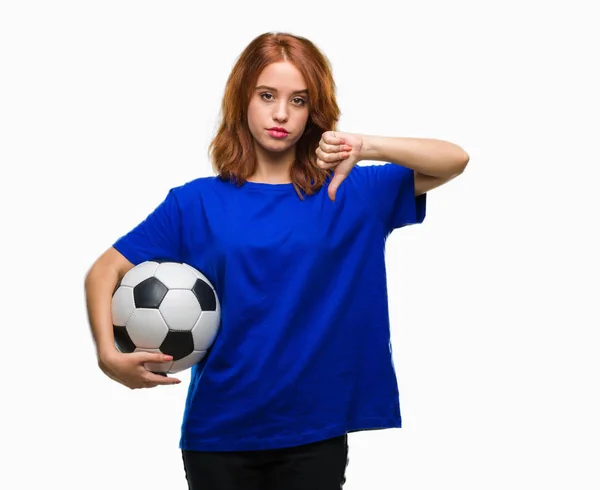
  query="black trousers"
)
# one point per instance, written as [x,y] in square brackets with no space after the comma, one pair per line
[315,466]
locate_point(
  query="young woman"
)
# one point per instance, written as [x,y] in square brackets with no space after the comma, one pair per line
[291,232]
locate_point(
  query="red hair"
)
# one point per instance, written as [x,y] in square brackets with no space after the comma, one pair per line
[232,149]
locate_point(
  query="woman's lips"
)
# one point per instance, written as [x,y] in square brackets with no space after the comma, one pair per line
[277,134]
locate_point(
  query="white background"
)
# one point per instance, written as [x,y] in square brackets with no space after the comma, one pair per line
[494,299]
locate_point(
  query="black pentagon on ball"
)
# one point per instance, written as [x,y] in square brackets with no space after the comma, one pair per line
[149,293]
[123,340]
[178,344]
[205,295]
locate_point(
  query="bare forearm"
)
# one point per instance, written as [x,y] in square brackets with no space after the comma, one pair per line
[99,286]
[433,157]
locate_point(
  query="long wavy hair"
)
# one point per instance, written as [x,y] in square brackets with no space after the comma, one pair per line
[232,150]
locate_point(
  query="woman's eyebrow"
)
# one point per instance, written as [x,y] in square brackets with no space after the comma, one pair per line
[273,89]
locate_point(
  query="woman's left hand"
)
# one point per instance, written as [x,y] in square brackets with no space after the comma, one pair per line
[340,152]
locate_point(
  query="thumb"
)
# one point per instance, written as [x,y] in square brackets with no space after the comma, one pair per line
[337,179]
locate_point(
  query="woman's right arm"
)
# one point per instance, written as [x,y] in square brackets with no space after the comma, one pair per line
[128,369]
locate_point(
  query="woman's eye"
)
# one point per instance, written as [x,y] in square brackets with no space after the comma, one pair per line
[297,100]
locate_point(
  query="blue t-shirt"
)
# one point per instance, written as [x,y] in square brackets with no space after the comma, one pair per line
[303,352]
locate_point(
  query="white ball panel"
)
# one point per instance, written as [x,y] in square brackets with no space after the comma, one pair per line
[122,305]
[180,309]
[159,367]
[147,328]
[187,362]
[199,275]
[175,276]
[139,273]
[206,330]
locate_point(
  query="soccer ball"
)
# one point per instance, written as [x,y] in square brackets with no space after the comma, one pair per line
[166,307]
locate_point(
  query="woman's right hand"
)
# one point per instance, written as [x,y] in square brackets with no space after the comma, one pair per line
[129,370]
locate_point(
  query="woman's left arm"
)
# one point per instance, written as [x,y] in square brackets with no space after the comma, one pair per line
[433,161]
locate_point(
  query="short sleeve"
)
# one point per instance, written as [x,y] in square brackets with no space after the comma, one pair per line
[390,189]
[157,237]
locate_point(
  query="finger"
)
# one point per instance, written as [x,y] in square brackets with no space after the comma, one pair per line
[335,154]
[145,357]
[334,148]
[326,165]
[159,379]
[334,185]
[332,138]
[331,157]
[146,384]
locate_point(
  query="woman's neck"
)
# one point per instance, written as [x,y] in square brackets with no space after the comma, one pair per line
[273,169]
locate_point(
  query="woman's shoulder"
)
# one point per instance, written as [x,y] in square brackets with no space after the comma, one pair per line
[197,184]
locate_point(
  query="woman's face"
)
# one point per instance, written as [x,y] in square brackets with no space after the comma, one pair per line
[279,100]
